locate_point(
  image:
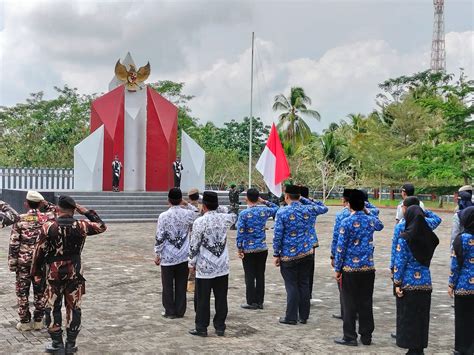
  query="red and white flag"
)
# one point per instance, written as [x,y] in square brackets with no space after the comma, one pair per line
[273,164]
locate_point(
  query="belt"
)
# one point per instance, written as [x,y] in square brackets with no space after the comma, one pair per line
[53,259]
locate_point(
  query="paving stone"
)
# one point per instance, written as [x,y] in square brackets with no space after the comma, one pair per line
[122,306]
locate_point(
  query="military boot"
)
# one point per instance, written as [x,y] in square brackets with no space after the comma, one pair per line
[71,347]
[57,345]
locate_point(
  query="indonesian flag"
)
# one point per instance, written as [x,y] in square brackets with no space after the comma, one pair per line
[273,164]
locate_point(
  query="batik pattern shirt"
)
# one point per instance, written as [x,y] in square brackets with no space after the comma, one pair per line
[8,215]
[208,251]
[340,216]
[433,221]
[292,235]
[408,273]
[251,227]
[462,276]
[172,234]
[312,221]
[23,238]
[355,244]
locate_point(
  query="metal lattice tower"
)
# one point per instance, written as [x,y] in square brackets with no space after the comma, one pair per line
[438,51]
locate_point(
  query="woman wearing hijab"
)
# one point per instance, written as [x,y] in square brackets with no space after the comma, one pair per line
[464,201]
[461,284]
[412,279]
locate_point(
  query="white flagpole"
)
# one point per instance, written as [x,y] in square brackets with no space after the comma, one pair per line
[251,118]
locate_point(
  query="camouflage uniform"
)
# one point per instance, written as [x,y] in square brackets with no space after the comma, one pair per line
[23,238]
[234,199]
[8,215]
[60,248]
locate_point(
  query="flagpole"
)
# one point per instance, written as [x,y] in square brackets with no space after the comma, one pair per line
[251,117]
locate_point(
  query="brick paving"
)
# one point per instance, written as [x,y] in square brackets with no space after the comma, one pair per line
[121,310]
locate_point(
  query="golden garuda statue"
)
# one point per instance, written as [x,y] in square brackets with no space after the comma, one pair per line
[131,77]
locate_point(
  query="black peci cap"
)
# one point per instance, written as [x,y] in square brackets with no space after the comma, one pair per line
[293,190]
[210,197]
[410,201]
[66,202]
[304,190]
[356,200]
[175,194]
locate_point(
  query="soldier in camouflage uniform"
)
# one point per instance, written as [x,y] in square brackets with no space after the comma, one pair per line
[234,199]
[23,238]
[60,248]
[8,215]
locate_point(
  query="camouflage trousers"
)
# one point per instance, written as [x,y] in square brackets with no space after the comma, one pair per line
[23,285]
[71,291]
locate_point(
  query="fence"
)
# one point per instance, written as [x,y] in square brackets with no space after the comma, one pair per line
[36,179]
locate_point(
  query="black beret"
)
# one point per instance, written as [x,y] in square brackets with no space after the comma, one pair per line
[356,200]
[175,194]
[293,190]
[210,197]
[409,189]
[66,202]
[304,190]
[410,201]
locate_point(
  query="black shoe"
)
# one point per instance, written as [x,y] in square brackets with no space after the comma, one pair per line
[71,347]
[283,320]
[366,341]
[303,321]
[220,333]
[346,342]
[199,333]
[248,306]
[260,305]
[57,345]
[393,335]
[336,316]
[169,316]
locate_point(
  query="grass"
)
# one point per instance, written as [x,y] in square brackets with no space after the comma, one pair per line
[447,206]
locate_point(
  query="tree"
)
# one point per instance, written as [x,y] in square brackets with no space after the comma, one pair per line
[291,123]
[43,133]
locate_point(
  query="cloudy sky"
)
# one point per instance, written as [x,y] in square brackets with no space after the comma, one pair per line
[338,51]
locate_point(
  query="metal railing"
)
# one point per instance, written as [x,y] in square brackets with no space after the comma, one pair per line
[36,179]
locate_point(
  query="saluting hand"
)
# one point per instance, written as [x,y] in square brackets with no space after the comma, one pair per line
[80,209]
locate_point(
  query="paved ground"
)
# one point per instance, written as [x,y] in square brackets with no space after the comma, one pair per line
[121,311]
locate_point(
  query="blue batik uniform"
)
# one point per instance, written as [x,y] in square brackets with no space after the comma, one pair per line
[292,236]
[462,276]
[432,220]
[408,273]
[355,249]
[314,236]
[340,216]
[251,227]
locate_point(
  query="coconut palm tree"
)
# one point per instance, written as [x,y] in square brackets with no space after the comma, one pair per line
[291,125]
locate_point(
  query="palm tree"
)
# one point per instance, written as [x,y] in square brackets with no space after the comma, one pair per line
[291,124]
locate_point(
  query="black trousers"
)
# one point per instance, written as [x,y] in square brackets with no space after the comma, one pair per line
[413,320]
[219,286]
[341,301]
[115,180]
[357,294]
[174,280]
[296,274]
[311,276]
[177,181]
[464,324]
[254,269]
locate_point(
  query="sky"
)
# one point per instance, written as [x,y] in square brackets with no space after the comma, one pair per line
[338,51]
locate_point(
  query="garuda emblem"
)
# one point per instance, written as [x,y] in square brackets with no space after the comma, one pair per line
[131,77]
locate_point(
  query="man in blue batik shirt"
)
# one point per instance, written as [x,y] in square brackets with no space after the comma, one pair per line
[292,252]
[314,237]
[252,247]
[354,267]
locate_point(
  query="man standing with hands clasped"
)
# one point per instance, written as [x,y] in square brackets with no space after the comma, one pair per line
[209,256]
[354,265]
[171,249]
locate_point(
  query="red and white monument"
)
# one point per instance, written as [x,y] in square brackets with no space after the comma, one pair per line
[135,123]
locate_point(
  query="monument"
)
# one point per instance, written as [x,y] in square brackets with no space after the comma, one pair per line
[135,123]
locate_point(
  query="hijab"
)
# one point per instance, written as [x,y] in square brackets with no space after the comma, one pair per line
[466,221]
[420,238]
